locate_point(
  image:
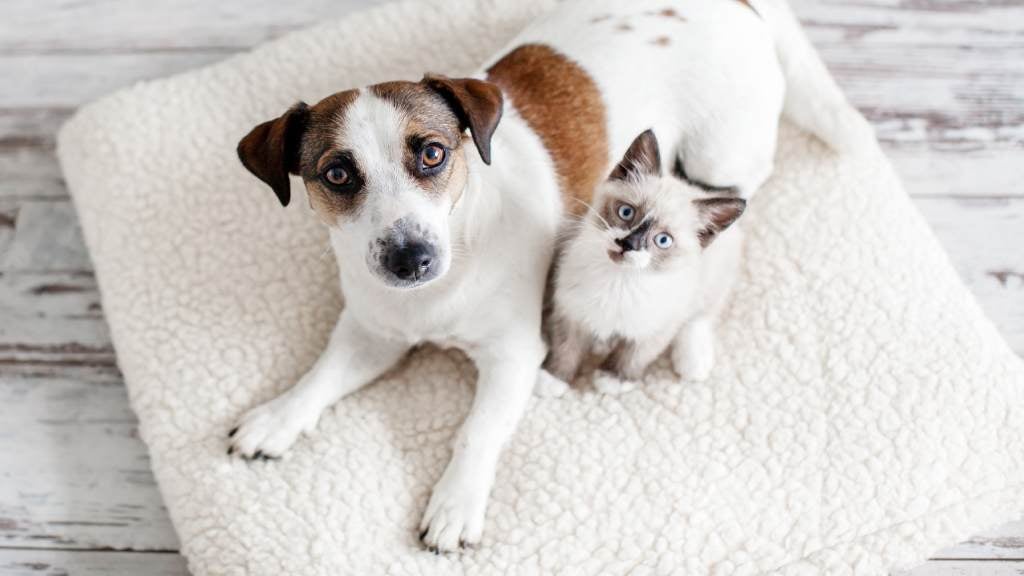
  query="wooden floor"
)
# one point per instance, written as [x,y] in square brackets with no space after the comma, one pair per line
[942,80]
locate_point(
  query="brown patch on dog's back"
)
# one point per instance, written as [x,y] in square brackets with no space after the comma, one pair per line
[662,41]
[563,105]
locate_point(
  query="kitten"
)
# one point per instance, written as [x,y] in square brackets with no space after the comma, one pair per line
[649,268]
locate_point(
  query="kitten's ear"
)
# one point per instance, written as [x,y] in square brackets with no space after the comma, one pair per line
[641,159]
[715,215]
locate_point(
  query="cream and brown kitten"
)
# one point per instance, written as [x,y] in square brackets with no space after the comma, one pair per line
[648,268]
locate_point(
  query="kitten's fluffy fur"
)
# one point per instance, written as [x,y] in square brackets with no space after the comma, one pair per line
[620,286]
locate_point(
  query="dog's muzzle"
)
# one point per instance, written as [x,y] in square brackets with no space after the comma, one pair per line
[412,262]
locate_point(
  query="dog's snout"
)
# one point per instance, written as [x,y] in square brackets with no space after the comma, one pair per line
[412,261]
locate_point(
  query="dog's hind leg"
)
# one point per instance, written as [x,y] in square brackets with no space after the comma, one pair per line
[354,357]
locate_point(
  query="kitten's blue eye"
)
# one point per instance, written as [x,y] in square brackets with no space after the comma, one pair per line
[663,240]
[626,212]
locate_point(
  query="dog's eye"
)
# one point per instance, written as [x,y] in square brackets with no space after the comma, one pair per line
[663,240]
[432,156]
[626,212]
[337,176]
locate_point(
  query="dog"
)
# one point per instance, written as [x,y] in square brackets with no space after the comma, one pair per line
[443,197]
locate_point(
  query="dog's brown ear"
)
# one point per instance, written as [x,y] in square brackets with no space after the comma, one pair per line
[271,150]
[477,103]
[641,158]
[717,214]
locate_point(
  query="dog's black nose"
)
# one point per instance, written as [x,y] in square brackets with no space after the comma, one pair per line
[411,261]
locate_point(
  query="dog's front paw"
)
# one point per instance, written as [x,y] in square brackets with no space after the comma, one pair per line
[269,429]
[607,383]
[455,515]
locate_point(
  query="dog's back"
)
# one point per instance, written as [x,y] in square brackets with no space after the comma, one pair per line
[702,73]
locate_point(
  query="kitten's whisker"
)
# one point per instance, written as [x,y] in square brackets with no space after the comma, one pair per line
[591,209]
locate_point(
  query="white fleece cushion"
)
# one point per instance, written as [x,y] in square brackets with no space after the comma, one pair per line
[862,414]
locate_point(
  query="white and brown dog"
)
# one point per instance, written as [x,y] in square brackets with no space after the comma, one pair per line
[446,237]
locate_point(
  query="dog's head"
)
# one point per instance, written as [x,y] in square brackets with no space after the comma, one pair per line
[383,166]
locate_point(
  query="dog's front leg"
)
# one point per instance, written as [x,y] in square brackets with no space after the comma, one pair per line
[455,514]
[353,358]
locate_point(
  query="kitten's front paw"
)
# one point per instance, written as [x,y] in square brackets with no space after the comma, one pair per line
[550,386]
[269,429]
[607,383]
[695,360]
[455,515]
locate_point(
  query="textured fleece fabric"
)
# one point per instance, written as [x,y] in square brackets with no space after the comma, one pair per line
[863,411]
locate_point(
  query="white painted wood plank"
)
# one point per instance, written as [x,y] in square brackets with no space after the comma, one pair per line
[73,472]
[113,25]
[943,83]
[69,80]
[53,325]
[100,563]
[168,25]
[966,568]
[41,236]
[1004,543]
[28,161]
[985,241]
[90,563]
[983,171]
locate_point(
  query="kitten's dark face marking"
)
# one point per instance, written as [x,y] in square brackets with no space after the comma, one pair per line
[635,226]
[637,239]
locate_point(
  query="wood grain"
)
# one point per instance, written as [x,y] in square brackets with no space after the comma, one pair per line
[164,26]
[75,474]
[984,238]
[941,80]
[967,568]
[1001,543]
[30,562]
[42,236]
[53,326]
[27,160]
